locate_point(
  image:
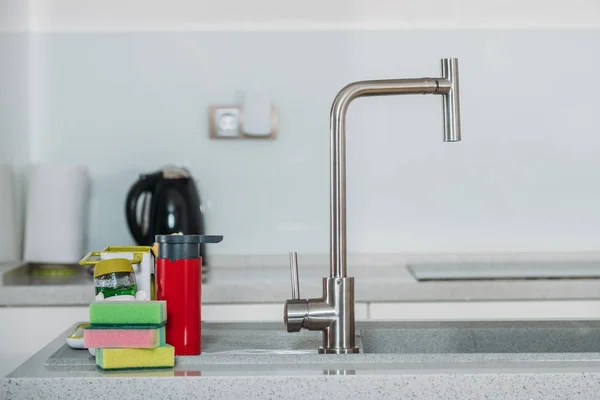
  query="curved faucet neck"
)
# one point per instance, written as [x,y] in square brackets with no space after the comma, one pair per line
[447,86]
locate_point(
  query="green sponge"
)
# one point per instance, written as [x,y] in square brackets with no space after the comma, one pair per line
[110,313]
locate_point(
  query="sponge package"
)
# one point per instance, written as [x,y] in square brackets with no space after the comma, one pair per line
[124,336]
[111,313]
[158,357]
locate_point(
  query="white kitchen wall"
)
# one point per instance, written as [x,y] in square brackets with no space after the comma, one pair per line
[152,15]
[14,128]
[14,15]
[524,178]
[14,91]
[98,80]
[14,87]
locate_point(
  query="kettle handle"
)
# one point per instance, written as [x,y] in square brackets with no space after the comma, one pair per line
[139,187]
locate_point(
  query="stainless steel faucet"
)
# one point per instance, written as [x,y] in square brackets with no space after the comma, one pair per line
[334,312]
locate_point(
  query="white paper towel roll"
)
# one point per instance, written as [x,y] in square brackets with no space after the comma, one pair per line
[56,214]
[10,233]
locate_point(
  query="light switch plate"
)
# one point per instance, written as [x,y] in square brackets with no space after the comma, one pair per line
[227,122]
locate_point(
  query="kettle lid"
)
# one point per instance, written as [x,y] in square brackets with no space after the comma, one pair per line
[175,172]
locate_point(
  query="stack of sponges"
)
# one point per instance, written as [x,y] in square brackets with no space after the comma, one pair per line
[129,335]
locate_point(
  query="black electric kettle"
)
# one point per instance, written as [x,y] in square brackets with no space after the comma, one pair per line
[170,203]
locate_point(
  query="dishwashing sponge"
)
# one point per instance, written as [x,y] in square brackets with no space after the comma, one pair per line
[158,357]
[124,336]
[110,313]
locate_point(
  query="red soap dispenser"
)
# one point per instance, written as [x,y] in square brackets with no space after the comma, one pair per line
[179,282]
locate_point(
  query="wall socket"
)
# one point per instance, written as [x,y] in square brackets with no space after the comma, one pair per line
[227,122]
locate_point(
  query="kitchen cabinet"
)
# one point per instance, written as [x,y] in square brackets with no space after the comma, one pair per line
[25,330]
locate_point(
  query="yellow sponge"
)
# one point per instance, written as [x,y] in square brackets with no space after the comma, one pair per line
[115,358]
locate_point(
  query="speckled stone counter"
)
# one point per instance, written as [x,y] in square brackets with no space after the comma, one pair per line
[262,361]
[378,278]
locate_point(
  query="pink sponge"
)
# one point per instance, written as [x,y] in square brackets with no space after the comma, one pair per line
[123,337]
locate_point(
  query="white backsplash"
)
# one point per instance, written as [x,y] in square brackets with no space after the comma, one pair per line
[14,118]
[183,15]
[14,115]
[525,177]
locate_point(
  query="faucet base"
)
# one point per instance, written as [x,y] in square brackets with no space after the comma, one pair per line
[353,350]
[339,335]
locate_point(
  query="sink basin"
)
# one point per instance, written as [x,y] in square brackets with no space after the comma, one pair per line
[484,337]
[257,339]
[223,343]
[422,344]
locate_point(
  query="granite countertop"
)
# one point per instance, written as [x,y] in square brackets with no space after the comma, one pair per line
[378,278]
[262,361]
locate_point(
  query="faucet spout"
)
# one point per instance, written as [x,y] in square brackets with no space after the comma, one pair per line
[447,86]
[451,100]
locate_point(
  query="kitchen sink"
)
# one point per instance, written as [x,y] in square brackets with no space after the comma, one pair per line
[484,337]
[426,344]
[222,343]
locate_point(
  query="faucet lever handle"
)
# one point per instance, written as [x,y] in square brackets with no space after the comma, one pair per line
[294,275]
